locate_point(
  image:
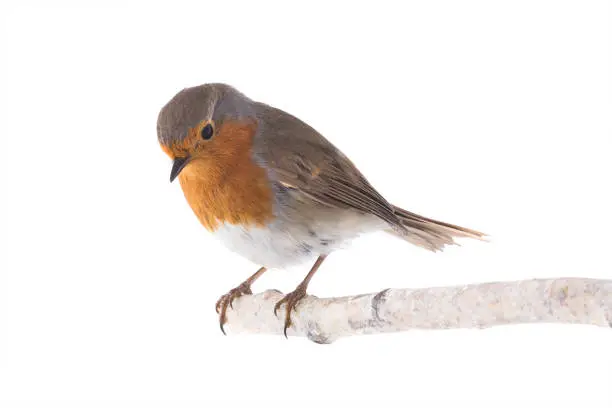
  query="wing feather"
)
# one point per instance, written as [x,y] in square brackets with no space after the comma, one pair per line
[296,155]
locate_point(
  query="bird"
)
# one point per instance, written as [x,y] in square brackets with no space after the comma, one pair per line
[274,190]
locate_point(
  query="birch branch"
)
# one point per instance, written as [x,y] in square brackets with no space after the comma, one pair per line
[323,320]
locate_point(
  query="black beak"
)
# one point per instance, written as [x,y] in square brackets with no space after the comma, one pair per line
[178,165]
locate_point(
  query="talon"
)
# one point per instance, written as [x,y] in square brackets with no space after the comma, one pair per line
[222,318]
[278,305]
[228,300]
[287,325]
[291,300]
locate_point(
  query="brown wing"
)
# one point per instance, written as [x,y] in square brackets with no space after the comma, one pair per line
[298,157]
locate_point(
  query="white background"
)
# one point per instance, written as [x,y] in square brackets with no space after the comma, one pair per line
[492,115]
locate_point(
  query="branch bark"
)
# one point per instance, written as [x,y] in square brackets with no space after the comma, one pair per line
[324,320]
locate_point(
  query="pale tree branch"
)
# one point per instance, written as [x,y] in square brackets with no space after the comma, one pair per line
[323,320]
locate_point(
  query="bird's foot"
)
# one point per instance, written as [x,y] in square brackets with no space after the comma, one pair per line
[291,300]
[228,300]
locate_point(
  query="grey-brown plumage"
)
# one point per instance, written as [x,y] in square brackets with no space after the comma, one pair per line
[301,159]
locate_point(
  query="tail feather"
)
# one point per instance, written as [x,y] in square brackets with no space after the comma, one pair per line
[429,233]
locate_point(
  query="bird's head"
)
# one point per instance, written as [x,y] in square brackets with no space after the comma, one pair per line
[205,125]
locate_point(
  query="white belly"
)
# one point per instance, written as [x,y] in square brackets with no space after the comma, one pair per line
[282,244]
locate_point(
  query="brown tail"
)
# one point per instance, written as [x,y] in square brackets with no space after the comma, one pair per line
[431,234]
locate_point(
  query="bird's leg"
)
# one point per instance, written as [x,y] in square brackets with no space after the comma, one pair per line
[243,289]
[291,299]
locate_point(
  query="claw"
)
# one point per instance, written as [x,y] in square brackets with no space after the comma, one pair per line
[228,300]
[291,300]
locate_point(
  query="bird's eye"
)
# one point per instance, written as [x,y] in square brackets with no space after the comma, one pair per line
[207,132]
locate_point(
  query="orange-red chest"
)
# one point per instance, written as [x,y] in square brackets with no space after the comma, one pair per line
[224,185]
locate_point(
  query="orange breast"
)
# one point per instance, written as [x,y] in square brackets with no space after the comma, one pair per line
[223,184]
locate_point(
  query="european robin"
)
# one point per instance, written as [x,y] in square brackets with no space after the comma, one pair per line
[274,190]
